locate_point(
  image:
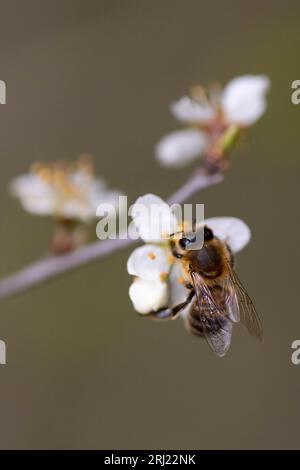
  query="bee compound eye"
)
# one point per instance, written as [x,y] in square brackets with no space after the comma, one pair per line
[208,234]
[183,242]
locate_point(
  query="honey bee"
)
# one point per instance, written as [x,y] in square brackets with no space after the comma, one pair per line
[216,297]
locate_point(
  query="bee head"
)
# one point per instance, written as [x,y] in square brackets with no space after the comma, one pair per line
[185,241]
[208,234]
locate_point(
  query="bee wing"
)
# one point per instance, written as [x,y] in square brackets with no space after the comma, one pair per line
[231,300]
[241,307]
[214,322]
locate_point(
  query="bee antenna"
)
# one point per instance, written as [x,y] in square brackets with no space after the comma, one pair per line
[176,233]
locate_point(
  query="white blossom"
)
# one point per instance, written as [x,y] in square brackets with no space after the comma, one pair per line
[152,262]
[191,111]
[148,262]
[158,278]
[181,147]
[244,99]
[68,191]
[153,219]
[148,295]
[241,103]
[230,230]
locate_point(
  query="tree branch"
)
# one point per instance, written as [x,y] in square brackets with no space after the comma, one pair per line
[53,266]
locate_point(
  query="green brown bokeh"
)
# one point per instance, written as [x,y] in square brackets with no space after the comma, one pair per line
[84,371]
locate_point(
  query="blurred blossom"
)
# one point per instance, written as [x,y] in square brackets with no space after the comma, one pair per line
[68,191]
[153,218]
[216,117]
[181,147]
[158,279]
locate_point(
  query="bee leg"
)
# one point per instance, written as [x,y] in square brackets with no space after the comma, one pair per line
[162,314]
[172,312]
[179,307]
[188,285]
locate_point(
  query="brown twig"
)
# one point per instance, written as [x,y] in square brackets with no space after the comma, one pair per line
[53,266]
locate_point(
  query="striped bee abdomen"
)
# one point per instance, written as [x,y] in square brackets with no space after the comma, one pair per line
[203,316]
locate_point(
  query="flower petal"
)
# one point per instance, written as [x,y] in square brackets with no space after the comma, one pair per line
[34,194]
[78,200]
[149,262]
[148,296]
[153,218]
[97,197]
[180,147]
[231,230]
[191,111]
[243,99]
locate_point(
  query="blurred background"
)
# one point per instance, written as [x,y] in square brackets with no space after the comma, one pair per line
[83,369]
